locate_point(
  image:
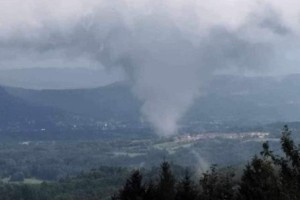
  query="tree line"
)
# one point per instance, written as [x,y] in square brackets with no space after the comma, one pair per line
[267,176]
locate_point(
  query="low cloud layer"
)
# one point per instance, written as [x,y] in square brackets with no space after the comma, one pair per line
[168,49]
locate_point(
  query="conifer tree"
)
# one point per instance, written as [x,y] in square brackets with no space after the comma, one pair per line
[186,189]
[150,193]
[133,189]
[289,166]
[166,184]
[216,186]
[259,181]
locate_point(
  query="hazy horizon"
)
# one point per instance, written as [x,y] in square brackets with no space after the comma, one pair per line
[82,78]
[169,50]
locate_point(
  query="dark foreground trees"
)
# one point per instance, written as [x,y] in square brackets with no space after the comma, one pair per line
[265,177]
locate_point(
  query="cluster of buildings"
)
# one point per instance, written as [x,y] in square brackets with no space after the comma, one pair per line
[204,136]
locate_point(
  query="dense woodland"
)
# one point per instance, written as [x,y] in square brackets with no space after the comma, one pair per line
[268,175]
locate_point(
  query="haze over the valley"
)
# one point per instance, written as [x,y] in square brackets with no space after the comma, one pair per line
[168,50]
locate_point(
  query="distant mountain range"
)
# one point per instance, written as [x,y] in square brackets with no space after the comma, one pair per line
[249,100]
[112,102]
[227,99]
[58,78]
[17,113]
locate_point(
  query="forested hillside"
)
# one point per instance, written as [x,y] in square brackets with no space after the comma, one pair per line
[270,175]
[16,114]
[233,100]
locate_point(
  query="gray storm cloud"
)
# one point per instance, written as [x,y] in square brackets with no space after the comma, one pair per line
[169,49]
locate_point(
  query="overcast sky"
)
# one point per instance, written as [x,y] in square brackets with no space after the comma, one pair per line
[64,33]
[168,49]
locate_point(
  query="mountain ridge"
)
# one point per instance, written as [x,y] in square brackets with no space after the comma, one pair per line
[228,99]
